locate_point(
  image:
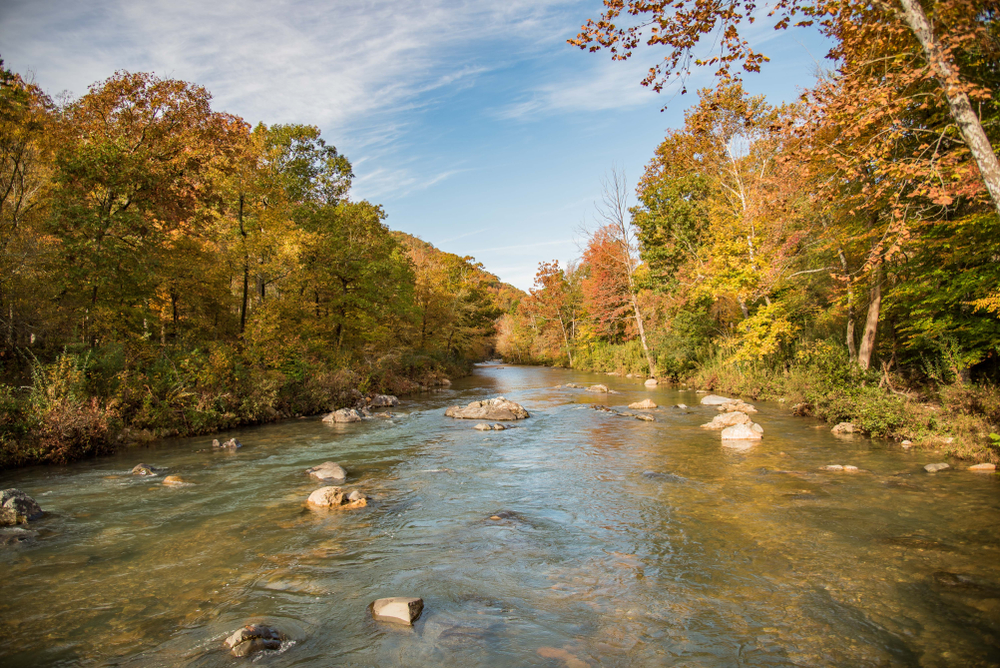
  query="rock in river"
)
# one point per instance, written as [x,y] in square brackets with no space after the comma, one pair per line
[737,405]
[253,638]
[334,497]
[845,428]
[398,609]
[983,467]
[144,469]
[231,444]
[16,507]
[743,432]
[651,382]
[384,401]
[328,472]
[489,409]
[645,404]
[934,468]
[715,400]
[344,415]
[598,388]
[723,420]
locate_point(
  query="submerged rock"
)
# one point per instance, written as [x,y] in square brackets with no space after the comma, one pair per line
[328,472]
[498,408]
[482,426]
[16,507]
[715,400]
[645,404]
[231,444]
[16,536]
[254,638]
[598,388]
[498,427]
[175,481]
[723,420]
[144,469]
[938,466]
[398,609]
[802,410]
[344,415]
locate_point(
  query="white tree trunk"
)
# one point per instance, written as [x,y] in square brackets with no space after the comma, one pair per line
[961,110]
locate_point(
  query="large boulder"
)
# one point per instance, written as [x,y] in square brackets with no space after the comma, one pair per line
[398,609]
[328,472]
[16,507]
[743,432]
[715,400]
[723,420]
[253,638]
[489,409]
[344,415]
[644,405]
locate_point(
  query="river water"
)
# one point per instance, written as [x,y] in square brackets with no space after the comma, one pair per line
[620,543]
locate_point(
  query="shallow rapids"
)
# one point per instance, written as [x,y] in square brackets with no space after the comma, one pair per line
[619,543]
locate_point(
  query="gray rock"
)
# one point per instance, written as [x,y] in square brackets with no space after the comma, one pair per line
[344,415]
[498,427]
[683,407]
[384,401]
[356,495]
[16,507]
[598,388]
[489,409]
[398,609]
[715,400]
[328,472]
[482,426]
[934,468]
[645,404]
[651,382]
[845,428]
[254,638]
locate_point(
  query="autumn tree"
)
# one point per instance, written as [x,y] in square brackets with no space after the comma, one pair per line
[553,306]
[133,167]
[932,50]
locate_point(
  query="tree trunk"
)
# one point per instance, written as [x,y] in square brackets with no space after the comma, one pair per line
[874,306]
[642,337]
[961,110]
[852,350]
[569,353]
[246,269]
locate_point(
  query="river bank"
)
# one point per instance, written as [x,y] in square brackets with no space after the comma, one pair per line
[619,542]
[91,403]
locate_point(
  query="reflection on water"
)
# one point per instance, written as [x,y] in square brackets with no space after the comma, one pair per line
[578,538]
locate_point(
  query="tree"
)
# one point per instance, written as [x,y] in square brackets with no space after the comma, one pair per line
[680,25]
[613,255]
[133,178]
[551,304]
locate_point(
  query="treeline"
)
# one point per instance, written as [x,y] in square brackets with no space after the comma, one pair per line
[167,269]
[843,251]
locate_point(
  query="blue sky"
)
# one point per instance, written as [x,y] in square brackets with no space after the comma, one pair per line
[474,123]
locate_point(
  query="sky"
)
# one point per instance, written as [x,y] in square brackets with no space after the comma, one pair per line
[474,123]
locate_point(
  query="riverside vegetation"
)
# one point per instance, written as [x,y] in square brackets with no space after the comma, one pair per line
[165,269]
[841,253]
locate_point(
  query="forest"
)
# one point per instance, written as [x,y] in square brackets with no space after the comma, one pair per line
[841,253]
[165,269]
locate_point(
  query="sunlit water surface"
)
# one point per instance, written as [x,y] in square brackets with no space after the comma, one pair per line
[624,543]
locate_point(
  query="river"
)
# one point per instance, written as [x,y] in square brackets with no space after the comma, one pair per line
[620,543]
